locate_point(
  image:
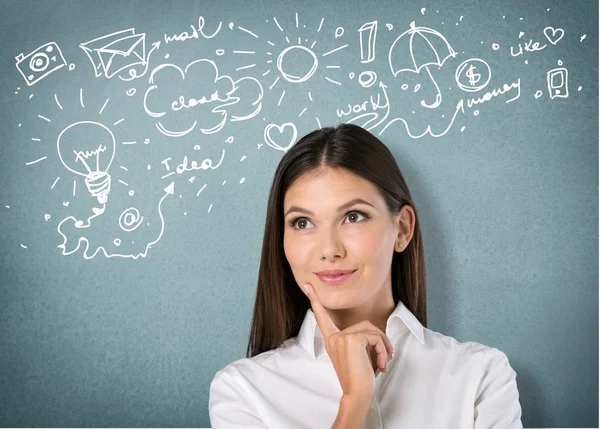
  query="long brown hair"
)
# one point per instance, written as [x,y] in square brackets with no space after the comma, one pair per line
[280,305]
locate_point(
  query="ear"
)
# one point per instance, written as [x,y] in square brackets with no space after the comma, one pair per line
[405,224]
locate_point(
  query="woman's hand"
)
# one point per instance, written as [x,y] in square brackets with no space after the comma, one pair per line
[350,349]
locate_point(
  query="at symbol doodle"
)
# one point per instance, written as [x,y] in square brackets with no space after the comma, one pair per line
[130,219]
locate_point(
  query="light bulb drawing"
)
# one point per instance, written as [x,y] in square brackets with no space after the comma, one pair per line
[87,148]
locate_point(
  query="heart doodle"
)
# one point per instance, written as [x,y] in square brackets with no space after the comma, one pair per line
[269,140]
[553,38]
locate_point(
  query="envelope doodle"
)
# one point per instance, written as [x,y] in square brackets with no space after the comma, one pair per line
[116,52]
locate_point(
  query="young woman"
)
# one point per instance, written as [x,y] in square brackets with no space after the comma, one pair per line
[352,350]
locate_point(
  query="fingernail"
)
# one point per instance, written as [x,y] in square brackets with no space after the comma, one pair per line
[306,289]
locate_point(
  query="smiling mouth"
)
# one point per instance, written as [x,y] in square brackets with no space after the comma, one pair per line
[335,279]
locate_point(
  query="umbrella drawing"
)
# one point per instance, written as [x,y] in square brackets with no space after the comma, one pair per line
[417,48]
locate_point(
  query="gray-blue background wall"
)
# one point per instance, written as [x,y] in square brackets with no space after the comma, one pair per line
[152,290]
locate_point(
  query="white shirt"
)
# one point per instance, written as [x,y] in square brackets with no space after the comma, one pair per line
[434,381]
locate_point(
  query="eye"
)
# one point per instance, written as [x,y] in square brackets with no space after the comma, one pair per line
[292,223]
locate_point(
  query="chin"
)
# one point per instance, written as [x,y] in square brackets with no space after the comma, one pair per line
[338,300]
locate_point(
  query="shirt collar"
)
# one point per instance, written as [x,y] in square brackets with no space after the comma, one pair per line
[310,330]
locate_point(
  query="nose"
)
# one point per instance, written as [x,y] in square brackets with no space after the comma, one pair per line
[331,245]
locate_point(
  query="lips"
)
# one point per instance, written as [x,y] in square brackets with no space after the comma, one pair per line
[334,272]
[334,277]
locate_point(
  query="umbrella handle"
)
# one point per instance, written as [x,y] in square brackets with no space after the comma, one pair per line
[438,96]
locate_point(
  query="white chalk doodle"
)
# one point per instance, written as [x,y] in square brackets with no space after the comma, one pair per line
[402,55]
[57,102]
[36,161]
[367,78]
[558,83]
[477,73]
[116,52]
[460,107]
[297,63]
[269,140]
[293,51]
[130,219]
[368,36]
[375,117]
[428,130]
[182,167]
[84,243]
[528,46]
[224,96]
[40,62]
[196,33]
[133,73]
[496,92]
[87,148]
[554,35]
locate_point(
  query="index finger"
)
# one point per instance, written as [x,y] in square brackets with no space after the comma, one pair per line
[328,327]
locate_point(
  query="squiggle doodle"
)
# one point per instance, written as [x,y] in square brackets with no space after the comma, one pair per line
[83,241]
[460,108]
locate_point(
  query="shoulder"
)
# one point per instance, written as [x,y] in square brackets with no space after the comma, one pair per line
[472,355]
[441,342]
[233,399]
[490,368]
[245,368]
[494,379]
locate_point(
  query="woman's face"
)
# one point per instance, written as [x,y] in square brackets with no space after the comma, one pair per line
[359,237]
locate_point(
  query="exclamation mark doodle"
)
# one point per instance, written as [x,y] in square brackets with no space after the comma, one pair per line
[368,34]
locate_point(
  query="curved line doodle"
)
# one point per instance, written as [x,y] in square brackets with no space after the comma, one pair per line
[169,190]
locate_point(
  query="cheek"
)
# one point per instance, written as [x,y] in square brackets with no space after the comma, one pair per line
[294,251]
[369,245]
[374,251]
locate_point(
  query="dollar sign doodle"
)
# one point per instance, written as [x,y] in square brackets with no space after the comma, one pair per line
[473,77]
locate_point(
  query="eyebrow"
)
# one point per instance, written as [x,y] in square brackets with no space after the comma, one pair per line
[340,208]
